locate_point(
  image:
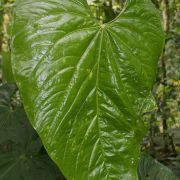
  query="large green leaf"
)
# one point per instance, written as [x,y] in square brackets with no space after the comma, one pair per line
[85,85]
[21,151]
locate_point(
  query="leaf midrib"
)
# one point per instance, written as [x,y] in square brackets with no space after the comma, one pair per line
[97,101]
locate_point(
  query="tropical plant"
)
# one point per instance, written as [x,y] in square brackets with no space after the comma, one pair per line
[150,169]
[22,155]
[86,85]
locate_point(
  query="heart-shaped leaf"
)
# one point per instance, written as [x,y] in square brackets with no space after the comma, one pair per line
[85,85]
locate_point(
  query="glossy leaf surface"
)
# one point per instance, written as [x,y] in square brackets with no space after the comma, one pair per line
[85,86]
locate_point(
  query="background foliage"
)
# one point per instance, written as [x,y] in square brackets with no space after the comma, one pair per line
[163,140]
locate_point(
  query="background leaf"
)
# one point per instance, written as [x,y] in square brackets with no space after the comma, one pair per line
[21,151]
[151,169]
[7,67]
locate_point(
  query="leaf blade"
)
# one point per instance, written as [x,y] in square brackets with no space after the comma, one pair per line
[85,86]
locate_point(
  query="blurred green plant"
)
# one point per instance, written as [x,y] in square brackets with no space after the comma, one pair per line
[151,169]
[22,155]
[6,8]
